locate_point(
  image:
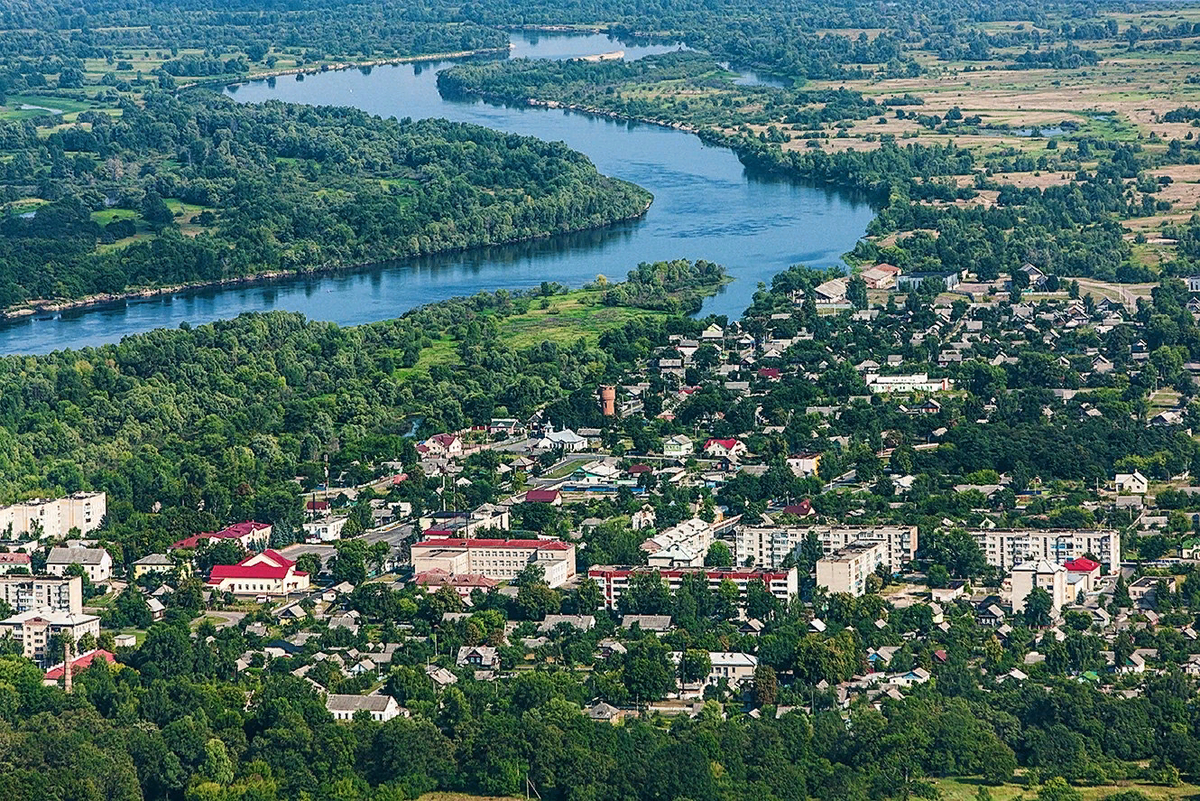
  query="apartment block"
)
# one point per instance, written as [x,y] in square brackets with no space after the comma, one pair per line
[1007,548]
[614,580]
[54,517]
[25,593]
[33,631]
[768,546]
[1042,574]
[846,569]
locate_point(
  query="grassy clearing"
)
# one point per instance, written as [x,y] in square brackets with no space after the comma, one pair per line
[567,319]
[966,789]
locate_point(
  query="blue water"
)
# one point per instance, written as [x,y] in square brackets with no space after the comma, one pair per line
[706,207]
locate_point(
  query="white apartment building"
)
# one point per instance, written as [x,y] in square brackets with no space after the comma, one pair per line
[919,382]
[1049,576]
[1007,548]
[25,593]
[54,518]
[695,535]
[768,546]
[33,631]
[613,580]
[501,560]
[846,569]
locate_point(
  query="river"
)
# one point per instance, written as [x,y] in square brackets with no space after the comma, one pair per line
[706,206]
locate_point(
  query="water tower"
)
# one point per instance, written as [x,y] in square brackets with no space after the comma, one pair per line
[608,400]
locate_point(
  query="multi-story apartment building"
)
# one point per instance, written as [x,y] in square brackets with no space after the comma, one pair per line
[53,518]
[501,560]
[846,569]
[33,630]
[25,593]
[613,580]
[1007,548]
[768,546]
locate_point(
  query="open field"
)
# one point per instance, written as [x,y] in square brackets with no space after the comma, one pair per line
[966,789]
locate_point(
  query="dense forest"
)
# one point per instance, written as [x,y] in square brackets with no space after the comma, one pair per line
[273,187]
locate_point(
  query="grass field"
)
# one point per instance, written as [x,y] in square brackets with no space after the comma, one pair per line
[966,789]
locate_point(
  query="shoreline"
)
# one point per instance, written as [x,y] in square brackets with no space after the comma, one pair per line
[41,306]
[238,80]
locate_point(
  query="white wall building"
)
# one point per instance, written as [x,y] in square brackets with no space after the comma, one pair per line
[1049,576]
[847,569]
[919,382]
[501,560]
[26,593]
[381,707]
[768,546]
[54,518]
[1007,548]
[96,562]
[33,631]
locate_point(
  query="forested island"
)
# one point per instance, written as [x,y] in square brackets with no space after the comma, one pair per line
[202,189]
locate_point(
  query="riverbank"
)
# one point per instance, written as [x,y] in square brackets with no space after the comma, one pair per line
[33,308]
[343,65]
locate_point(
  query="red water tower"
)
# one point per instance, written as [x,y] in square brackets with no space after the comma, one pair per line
[608,400]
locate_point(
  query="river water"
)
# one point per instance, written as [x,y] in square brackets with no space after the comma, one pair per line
[706,207]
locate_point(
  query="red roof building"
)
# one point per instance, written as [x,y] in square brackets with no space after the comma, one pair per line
[1082,565]
[639,469]
[267,573]
[77,664]
[770,373]
[10,560]
[724,447]
[249,533]
[552,497]
[802,509]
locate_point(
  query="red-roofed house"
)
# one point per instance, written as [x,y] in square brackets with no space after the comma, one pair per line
[463,583]
[725,448]
[317,507]
[802,509]
[267,573]
[501,560]
[54,674]
[446,445]
[250,534]
[552,497]
[11,561]
[770,373]
[639,469]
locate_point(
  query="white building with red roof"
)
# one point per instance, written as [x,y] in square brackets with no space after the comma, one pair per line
[250,534]
[268,573]
[444,445]
[500,560]
[13,561]
[725,448]
[462,583]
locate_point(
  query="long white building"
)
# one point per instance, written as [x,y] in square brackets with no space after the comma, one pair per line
[1007,548]
[25,593]
[501,560]
[919,382]
[614,580]
[53,517]
[768,546]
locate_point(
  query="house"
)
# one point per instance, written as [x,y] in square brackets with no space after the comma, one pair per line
[479,657]
[440,676]
[153,563]
[915,676]
[445,446]
[381,708]
[832,291]
[736,669]
[604,712]
[1082,575]
[658,624]
[678,446]
[565,440]
[1134,483]
[643,518]
[269,573]
[713,332]
[552,497]
[1037,278]
[879,278]
[15,561]
[252,535]
[725,448]
[96,562]
[804,464]
[953,590]
[577,622]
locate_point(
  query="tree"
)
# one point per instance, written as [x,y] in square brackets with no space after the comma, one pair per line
[856,292]
[694,666]
[349,562]
[309,563]
[1057,789]
[718,555]
[766,685]
[939,576]
[647,671]
[1039,608]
